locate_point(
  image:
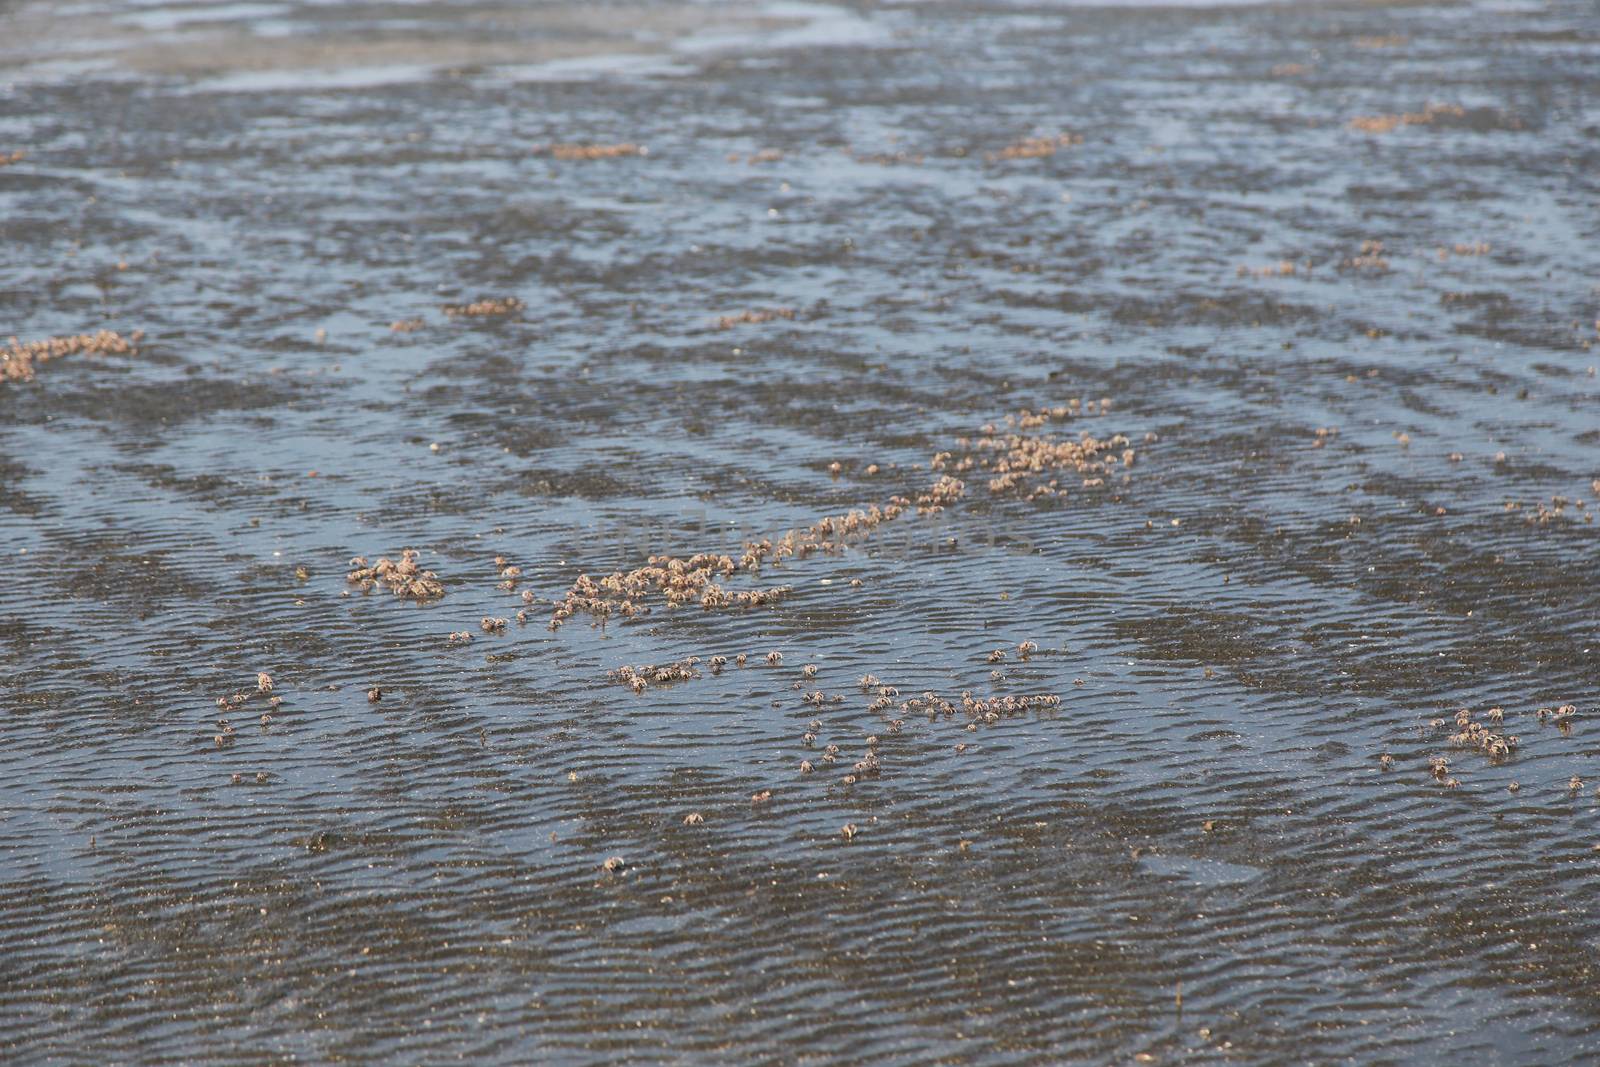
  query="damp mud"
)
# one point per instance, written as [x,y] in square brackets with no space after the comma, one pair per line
[949,531]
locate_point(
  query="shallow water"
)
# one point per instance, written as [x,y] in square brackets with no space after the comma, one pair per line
[1196,857]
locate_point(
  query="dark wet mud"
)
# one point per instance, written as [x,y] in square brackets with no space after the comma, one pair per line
[1147,768]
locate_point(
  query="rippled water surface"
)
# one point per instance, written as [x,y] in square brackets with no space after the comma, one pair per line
[1332,267]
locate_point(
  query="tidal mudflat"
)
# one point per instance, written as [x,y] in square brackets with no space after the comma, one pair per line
[956,531]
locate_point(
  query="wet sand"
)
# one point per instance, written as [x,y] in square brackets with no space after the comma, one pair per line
[1115,753]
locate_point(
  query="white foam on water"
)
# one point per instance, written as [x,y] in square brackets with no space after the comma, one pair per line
[726,28]
[819,26]
[1115,4]
[60,70]
[1201,872]
[164,19]
[588,68]
[802,25]
[281,80]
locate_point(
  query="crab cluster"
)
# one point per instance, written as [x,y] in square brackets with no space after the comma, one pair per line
[645,675]
[1430,114]
[764,155]
[405,578]
[1370,257]
[986,709]
[829,534]
[236,702]
[727,322]
[1473,734]
[1560,717]
[681,582]
[890,159]
[597,151]
[510,575]
[1036,147]
[940,495]
[485,308]
[1439,767]
[1281,269]
[1030,464]
[717,597]
[1542,514]
[991,709]
[1016,460]
[20,359]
